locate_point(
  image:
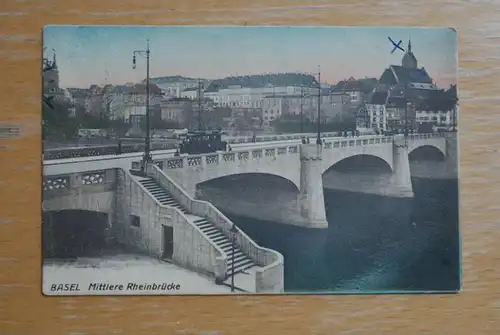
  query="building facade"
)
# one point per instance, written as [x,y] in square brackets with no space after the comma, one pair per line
[176,110]
[249,91]
[135,104]
[173,86]
[191,93]
[333,106]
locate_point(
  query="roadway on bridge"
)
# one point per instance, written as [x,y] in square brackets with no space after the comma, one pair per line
[170,152]
[124,161]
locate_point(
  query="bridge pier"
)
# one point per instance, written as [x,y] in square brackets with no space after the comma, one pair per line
[401,168]
[311,198]
[452,159]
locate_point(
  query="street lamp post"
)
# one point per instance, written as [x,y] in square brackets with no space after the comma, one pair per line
[147,148]
[233,230]
[406,111]
[301,110]
[318,136]
[199,105]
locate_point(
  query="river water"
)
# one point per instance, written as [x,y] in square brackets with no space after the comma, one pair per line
[373,242]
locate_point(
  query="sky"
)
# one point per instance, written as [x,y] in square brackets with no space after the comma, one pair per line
[101,55]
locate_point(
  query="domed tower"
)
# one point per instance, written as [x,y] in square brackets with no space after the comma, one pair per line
[409,59]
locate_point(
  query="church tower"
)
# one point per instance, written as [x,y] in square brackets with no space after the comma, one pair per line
[409,60]
[50,75]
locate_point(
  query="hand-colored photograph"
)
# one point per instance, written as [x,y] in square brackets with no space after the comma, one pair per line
[209,160]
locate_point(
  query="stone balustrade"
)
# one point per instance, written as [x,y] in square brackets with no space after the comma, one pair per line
[91,179]
[281,137]
[224,157]
[93,190]
[278,150]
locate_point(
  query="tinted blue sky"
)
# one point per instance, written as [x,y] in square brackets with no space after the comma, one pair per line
[103,54]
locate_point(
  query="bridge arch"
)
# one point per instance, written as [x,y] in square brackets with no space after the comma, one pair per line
[292,182]
[361,162]
[200,169]
[379,158]
[427,151]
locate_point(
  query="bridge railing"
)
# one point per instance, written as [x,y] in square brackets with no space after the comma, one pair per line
[243,154]
[278,137]
[54,154]
[270,261]
[110,149]
[101,150]
[426,136]
[355,141]
[218,266]
[236,155]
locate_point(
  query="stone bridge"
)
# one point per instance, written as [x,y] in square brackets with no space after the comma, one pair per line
[304,164]
[301,164]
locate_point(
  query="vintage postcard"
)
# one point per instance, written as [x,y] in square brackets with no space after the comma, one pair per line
[219,160]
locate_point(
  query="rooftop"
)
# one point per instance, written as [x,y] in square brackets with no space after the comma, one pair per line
[170,79]
[176,100]
[365,85]
[142,88]
[378,98]
[263,80]
[398,74]
[78,92]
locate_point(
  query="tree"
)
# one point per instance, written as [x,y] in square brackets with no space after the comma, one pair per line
[90,121]
[57,123]
[119,127]
[214,119]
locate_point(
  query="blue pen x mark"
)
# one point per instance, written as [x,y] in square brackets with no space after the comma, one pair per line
[396,45]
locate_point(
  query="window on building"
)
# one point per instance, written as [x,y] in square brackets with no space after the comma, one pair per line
[135,221]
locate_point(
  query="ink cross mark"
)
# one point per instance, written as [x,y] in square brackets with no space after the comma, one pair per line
[48,101]
[396,45]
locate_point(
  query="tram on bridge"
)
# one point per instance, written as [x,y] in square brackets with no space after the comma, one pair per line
[202,142]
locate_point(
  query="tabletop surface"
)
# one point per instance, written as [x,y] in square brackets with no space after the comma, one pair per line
[24,311]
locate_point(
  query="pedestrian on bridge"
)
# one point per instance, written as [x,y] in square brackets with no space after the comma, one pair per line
[119,148]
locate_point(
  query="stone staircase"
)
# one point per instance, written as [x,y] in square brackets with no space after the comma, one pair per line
[241,261]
